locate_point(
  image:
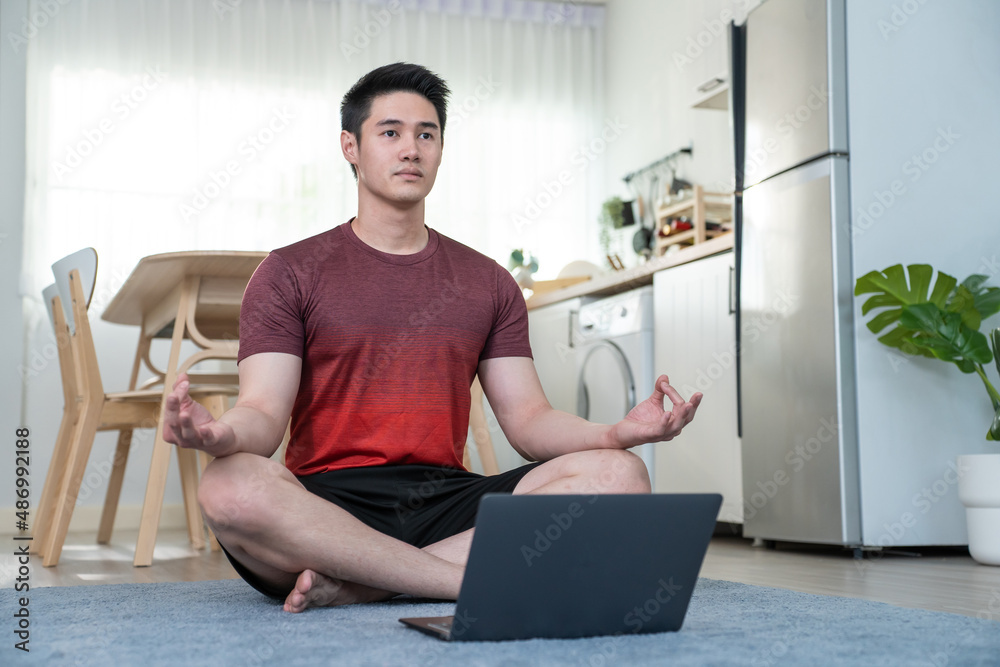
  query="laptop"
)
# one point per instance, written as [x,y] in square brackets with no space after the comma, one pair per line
[579,566]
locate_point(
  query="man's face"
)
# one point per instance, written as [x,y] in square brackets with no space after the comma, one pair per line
[400,149]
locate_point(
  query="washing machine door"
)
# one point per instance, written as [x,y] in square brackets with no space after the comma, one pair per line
[606,388]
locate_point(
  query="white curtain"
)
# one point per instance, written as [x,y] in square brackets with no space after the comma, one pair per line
[164,125]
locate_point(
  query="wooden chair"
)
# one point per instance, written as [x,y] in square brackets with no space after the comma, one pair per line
[88,409]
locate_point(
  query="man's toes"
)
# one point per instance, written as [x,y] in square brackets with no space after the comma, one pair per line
[293,602]
[298,598]
[312,590]
[305,582]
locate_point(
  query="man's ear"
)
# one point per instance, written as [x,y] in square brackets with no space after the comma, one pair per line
[349,147]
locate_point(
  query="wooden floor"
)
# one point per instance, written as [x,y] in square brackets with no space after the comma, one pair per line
[941,580]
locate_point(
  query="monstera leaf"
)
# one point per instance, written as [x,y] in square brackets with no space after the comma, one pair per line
[945,336]
[940,322]
[974,301]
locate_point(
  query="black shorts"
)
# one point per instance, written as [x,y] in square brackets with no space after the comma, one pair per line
[417,504]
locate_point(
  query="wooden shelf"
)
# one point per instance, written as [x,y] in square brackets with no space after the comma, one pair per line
[702,207]
[717,98]
[616,282]
[713,94]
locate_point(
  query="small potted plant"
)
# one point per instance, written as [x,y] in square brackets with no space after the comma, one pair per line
[612,218]
[943,323]
[522,269]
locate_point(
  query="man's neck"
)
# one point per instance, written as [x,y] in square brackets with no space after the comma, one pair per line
[392,231]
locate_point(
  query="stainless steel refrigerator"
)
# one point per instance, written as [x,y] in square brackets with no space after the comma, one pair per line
[797,404]
[858,146]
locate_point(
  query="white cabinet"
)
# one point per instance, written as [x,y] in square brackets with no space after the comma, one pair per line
[555,361]
[549,331]
[695,344]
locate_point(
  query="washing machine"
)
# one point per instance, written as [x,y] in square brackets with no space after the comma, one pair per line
[613,348]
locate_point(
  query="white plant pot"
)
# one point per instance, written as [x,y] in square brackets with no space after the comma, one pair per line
[979,491]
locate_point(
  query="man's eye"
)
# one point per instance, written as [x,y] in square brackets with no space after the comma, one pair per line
[390,133]
[427,135]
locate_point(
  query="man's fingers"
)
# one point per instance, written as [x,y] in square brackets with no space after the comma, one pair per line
[682,414]
[177,398]
[186,429]
[694,403]
[672,394]
[680,417]
[657,387]
[182,377]
[173,406]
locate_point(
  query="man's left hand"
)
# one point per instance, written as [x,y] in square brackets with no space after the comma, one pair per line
[650,422]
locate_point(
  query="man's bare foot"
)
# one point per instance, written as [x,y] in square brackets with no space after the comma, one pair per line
[313,589]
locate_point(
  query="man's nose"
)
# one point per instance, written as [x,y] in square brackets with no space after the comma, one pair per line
[409,149]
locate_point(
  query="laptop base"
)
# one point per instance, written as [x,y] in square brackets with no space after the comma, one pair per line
[435,626]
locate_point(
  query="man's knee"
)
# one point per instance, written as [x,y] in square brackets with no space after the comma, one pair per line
[233,489]
[616,471]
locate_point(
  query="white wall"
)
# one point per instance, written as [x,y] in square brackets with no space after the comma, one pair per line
[658,53]
[923,95]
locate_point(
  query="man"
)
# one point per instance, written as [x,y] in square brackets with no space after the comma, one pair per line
[369,336]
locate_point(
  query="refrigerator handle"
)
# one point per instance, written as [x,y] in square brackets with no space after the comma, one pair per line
[732,290]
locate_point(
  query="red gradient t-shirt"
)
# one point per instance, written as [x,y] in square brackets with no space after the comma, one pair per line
[389,345]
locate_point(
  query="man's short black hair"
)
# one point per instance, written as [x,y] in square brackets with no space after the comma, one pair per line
[398,77]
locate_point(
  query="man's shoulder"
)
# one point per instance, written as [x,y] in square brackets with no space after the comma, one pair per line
[469,257]
[312,250]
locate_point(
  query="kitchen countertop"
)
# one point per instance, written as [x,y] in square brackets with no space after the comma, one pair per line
[622,281]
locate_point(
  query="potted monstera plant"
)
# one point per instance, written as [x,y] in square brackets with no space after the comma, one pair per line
[942,322]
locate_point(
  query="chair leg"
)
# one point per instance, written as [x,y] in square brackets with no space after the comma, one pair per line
[114,486]
[76,464]
[53,481]
[480,432]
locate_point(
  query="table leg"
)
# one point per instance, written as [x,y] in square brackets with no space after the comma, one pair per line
[213,542]
[217,405]
[160,464]
[187,460]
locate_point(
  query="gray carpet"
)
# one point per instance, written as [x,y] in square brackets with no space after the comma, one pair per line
[228,623]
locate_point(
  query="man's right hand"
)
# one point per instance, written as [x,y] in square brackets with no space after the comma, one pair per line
[187,423]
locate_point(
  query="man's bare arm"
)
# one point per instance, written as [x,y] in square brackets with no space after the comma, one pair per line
[256,424]
[539,432]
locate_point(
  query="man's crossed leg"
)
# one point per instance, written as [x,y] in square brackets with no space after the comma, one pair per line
[289,539]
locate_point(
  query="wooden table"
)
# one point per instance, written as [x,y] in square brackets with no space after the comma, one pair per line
[194,295]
